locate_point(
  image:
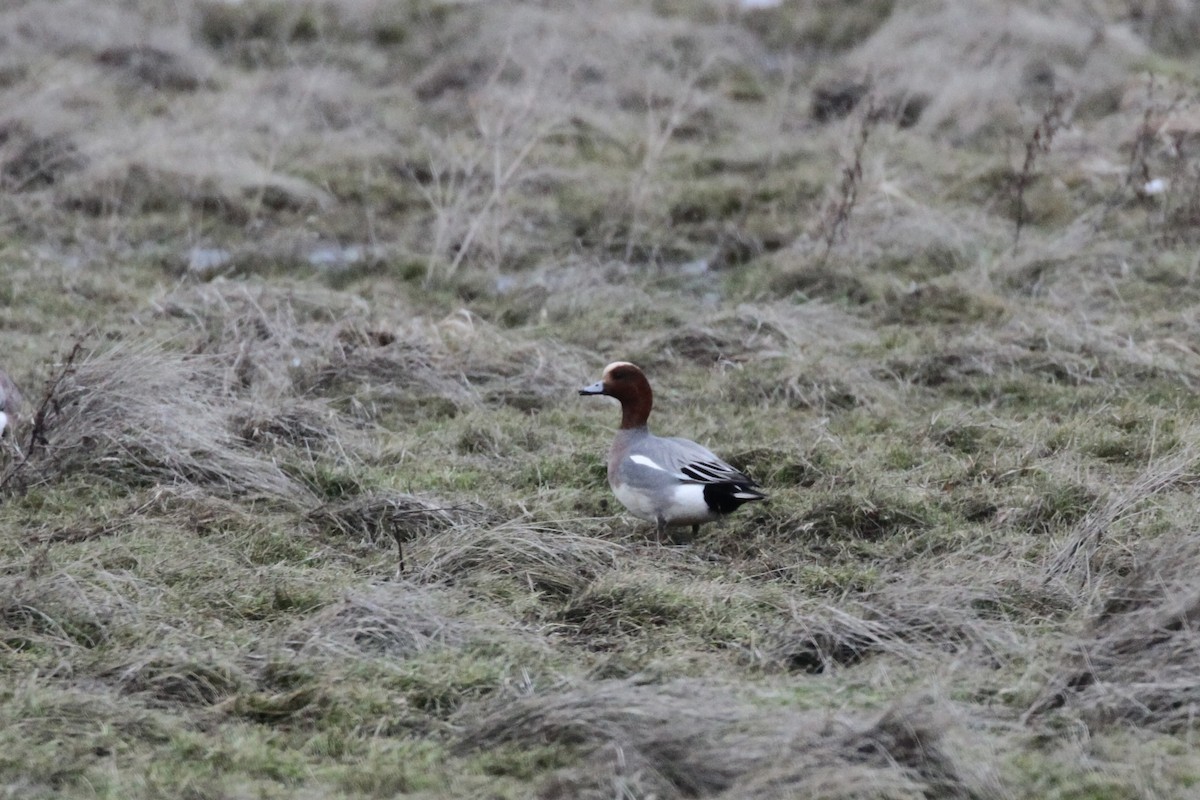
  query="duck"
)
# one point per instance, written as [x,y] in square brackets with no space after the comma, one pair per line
[667,481]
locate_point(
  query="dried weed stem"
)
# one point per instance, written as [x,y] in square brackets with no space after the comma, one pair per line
[48,404]
[837,213]
[1039,142]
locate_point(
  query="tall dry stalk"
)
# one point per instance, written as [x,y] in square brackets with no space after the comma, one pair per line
[836,217]
[661,125]
[473,179]
[1038,143]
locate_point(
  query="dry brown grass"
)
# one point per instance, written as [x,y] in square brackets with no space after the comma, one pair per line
[348,262]
[546,558]
[1008,61]
[690,739]
[403,517]
[170,678]
[974,615]
[1136,661]
[1083,552]
[141,413]
[395,621]
[375,513]
[46,607]
[296,352]
[263,336]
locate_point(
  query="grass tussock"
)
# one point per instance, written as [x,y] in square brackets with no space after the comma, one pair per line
[1136,661]
[305,425]
[684,740]
[1086,549]
[402,517]
[263,338]
[442,367]
[922,619]
[143,414]
[546,559]
[64,731]
[1043,52]
[397,514]
[168,679]
[399,375]
[397,622]
[53,611]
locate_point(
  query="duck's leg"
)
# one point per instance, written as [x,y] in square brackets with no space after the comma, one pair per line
[660,533]
[695,530]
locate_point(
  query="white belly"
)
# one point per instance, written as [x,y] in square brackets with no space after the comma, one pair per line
[681,505]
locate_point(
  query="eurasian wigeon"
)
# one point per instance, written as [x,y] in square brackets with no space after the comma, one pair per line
[667,481]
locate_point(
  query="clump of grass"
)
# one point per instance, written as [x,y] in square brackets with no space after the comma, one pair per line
[1080,552]
[401,516]
[545,558]
[170,679]
[617,606]
[835,637]
[194,509]
[63,731]
[1060,505]
[303,424]
[142,414]
[401,375]
[1010,59]
[272,344]
[858,516]
[822,25]
[153,67]
[368,515]
[701,345]
[266,339]
[30,161]
[918,620]
[443,368]
[796,359]
[236,27]
[1137,661]
[728,338]
[392,622]
[49,611]
[690,739]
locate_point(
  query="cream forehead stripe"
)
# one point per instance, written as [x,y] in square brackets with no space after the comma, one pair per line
[617,364]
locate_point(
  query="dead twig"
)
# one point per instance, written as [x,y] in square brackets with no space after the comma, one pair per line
[1039,142]
[49,403]
[837,214]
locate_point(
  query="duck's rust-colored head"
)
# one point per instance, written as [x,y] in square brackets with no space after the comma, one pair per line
[628,384]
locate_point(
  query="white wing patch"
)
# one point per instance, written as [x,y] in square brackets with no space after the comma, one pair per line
[3,421]
[647,462]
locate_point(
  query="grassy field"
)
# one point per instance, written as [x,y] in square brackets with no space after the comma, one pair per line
[290,285]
